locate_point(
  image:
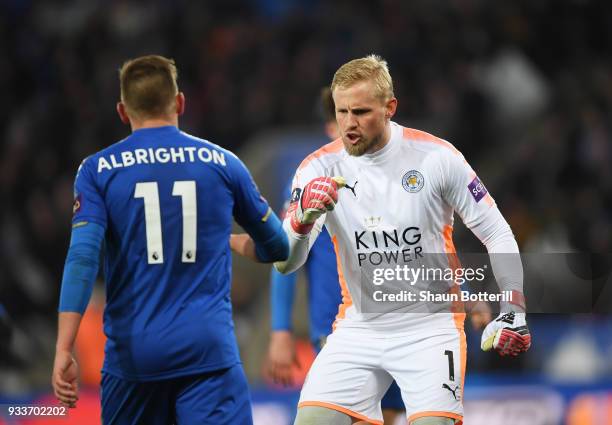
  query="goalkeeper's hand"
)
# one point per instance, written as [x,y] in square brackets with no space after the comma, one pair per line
[319,196]
[508,334]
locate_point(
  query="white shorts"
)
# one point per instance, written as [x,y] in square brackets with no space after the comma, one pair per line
[355,368]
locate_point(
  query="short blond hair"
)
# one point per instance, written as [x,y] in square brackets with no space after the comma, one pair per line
[148,86]
[371,67]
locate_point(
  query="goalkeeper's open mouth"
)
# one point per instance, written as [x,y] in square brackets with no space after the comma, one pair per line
[353,138]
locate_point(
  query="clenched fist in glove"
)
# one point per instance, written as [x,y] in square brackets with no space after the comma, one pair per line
[319,196]
[508,334]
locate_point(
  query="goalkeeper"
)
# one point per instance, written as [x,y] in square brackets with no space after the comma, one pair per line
[324,297]
[408,180]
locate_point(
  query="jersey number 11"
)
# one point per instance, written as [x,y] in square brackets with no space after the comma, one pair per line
[149,192]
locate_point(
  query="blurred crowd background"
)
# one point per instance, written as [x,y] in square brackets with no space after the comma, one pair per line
[522,88]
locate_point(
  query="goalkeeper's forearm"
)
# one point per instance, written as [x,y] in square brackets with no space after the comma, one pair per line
[298,249]
[305,218]
[495,233]
[508,270]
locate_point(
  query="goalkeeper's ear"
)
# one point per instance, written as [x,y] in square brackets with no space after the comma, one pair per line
[390,108]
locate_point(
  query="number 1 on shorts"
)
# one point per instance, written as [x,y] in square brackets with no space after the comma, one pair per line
[451,365]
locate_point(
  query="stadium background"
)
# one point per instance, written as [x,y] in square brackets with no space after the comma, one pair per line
[522,88]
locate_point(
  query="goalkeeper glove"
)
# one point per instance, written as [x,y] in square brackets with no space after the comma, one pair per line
[508,334]
[319,196]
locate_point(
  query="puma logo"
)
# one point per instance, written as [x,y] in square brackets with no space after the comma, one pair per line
[352,189]
[451,390]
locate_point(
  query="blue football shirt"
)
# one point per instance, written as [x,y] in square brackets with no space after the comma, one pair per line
[166,200]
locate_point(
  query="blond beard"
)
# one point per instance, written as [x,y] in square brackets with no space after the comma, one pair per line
[363,146]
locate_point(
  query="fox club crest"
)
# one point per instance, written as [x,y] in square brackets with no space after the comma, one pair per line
[413,181]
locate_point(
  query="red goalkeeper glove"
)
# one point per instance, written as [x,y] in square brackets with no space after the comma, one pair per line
[508,334]
[319,196]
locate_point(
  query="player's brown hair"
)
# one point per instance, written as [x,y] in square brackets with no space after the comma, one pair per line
[148,86]
[327,105]
[371,67]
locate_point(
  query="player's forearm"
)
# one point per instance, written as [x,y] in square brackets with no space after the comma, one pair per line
[298,250]
[67,329]
[508,270]
[305,218]
[496,235]
[81,267]
[243,245]
[80,272]
[266,241]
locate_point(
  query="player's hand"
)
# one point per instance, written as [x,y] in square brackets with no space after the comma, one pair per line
[319,196]
[64,378]
[479,314]
[282,358]
[508,334]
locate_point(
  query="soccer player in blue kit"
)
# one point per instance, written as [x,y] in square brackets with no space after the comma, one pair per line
[162,202]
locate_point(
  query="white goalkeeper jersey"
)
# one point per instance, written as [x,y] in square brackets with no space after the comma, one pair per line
[397,205]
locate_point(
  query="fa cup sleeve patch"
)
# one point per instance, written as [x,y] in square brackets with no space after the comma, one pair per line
[477,189]
[76,206]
